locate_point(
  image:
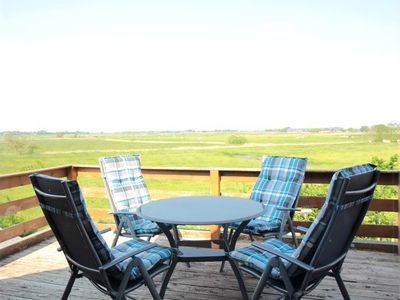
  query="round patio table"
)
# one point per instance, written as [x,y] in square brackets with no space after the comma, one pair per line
[203,210]
[200,210]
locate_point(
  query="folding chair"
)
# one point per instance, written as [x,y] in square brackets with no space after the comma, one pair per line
[297,271]
[278,188]
[127,190]
[114,271]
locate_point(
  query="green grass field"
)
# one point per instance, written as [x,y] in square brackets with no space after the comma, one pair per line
[323,150]
[186,149]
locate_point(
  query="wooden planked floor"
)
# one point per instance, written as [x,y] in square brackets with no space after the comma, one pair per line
[40,272]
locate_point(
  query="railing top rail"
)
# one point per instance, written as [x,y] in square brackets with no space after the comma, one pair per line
[22,178]
[83,166]
[396,172]
[27,173]
[388,177]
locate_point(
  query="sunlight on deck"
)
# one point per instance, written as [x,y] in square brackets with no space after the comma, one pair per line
[40,272]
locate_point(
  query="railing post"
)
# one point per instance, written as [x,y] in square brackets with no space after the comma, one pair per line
[72,173]
[215,183]
[215,190]
[398,215]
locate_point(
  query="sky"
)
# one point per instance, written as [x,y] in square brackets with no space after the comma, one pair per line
[108,66]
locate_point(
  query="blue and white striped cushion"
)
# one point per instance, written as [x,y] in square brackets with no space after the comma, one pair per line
[257,258]
[259,226]
[278,185]
[150,258]
[140,225]
[127,189]
[125,181]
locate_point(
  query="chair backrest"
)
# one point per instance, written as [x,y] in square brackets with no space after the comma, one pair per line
[65,211]
[124,182]
[332,232]
[279,184]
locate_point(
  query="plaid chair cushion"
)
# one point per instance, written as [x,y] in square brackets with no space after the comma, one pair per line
[140,225]
[257,259]
[259,226]
[278,185]
[127,190]
[124,181]
[150,258]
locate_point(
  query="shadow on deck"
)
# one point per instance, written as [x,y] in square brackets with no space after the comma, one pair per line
[40,272]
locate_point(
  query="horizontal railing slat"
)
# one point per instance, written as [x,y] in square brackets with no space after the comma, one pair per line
[22,178]
[22,228]
[17,205]
[380,246]
[367,230]
[25,242]
[387,177]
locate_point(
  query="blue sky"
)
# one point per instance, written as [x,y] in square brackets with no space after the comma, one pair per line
[204,65]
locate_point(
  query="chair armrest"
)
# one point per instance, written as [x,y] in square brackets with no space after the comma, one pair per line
[301,229]
[105,230]
[126,256]
[278,253]
[287,208]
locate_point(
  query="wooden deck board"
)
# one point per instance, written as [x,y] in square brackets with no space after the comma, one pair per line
[40,272]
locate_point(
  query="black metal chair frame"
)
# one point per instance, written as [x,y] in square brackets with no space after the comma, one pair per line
[99,277]
[313,274]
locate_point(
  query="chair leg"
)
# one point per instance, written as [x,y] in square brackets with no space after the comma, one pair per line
[114,242]
[221,269]
[117,234]
[151,286]
[239,278]
[341,285]
[251,237]
[70,283]
[167,276]
[260,286]
[291,227]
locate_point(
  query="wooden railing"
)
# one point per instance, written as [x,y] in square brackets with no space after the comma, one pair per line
[216,176]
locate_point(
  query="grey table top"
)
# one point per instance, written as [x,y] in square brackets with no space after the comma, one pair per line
[200,210]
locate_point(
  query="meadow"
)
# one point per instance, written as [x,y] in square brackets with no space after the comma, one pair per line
[324,150]
[189,149]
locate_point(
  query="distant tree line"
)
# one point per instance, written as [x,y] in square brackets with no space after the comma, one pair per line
[389,133]
[384,133]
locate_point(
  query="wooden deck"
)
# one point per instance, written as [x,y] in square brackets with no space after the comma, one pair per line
[40,272]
